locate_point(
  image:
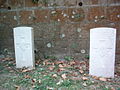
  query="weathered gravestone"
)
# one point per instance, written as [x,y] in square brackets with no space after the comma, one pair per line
[102,51]
[24,47]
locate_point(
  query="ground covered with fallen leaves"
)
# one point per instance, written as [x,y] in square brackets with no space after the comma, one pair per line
[52,74]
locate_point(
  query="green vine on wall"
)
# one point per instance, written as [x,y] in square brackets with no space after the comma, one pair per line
[45,2]
[78,15]
[35,1]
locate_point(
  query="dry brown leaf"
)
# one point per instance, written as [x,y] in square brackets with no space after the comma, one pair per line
[50,88]
[112,88]
[51,68]
[97,78]
[84,84]
[60,62]
[102,79]
[9,67]
[64,76]
[60,65]
[109,80]
[84,78]
[75,74]
[78,67]
[54,75]
[7,59]
[33,86]
[39,81]
[66,65]
[84,74]
[81,71]
[48,63]
[27,76]
[45,61]
[61,69]
[83,62]
[58,83]
[75,78]
[25,70]
[77,62]
[53,64]
[38,61]
[11,71]
[17,87]
[72,63]
[34,80]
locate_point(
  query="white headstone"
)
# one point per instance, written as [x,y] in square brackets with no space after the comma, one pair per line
[102,51]
[24,47]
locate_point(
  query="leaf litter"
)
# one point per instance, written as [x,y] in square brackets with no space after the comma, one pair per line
[53,74]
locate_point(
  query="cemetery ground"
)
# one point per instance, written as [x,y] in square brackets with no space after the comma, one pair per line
[53,74]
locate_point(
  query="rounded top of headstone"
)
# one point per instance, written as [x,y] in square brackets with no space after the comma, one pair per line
[23,27]
[103,28]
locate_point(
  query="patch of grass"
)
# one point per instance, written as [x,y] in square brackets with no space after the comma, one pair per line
[50,57]
[67,83]
[103,87]
[1,68]
[6,82]
[68,58]
[89,82]
[35,1]
[45,81]
[10,64]
[106,89]
[71,85]
[4,71]
[87,57]
[78,15]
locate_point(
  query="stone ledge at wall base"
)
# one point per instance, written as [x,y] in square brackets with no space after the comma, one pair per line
[24,47]
[102,52]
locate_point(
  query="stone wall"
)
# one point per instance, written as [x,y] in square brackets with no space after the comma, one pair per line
[61,27]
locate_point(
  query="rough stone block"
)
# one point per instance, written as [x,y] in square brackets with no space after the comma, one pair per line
[79,31]
[26,17]
[65,32]
[102,23]
[76,14]
[96,13]
[70,2]
[8,18]
[113,13]
[16,3]
[94,1]
[5,34]
[78,46]
[98,2]
[61,47]
[59,15]
[113,2]
[3,4]
[60,2]
[41,16]
[30,3]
